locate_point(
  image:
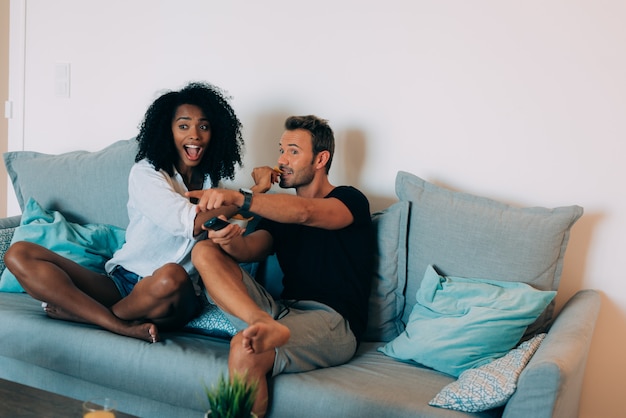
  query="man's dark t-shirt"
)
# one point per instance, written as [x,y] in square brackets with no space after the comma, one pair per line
[333,267]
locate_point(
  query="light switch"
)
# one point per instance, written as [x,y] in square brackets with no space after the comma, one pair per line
[62,79]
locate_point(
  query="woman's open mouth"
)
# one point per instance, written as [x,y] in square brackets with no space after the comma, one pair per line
[193,152]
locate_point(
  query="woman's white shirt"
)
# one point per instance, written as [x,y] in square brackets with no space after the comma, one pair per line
[161,223]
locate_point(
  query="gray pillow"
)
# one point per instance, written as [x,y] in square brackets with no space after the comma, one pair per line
[87,187]
[386,302]
[471,236]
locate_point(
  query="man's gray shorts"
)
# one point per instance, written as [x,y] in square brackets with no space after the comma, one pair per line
[320,337]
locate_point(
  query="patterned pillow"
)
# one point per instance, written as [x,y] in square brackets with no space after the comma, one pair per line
[6,234]
[490,385]
[212,322]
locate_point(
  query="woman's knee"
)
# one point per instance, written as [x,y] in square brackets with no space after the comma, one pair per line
[170,279]
[19,253]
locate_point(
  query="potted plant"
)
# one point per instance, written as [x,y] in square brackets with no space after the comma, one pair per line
[231,398]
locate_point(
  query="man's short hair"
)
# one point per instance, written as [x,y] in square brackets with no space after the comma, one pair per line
[322,135]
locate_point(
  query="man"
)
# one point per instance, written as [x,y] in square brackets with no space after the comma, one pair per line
[323,239]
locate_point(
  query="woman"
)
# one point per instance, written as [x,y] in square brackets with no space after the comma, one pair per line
[189,140]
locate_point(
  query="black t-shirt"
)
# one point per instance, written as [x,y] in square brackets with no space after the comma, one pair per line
[333,267]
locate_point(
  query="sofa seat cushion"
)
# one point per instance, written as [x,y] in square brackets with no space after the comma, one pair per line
[175,370]
[370,385]
[182,361]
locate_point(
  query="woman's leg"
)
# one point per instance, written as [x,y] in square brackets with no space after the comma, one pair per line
[72,291]
[166,298]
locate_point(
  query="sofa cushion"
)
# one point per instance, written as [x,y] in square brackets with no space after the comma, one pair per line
[472,236]
[386,302]
[458,323]
[490,385]
[87,187]
[212,321]
[90,245]
[6,235]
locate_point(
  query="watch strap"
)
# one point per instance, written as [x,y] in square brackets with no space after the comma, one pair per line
[247,199]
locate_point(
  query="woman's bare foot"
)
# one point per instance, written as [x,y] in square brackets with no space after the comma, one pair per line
[58,313]
[146,331]
[263,335]
[141,330]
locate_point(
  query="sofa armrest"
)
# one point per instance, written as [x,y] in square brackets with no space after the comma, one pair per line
[10,222]
[551,383]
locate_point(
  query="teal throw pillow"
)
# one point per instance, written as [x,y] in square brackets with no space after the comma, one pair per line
[459,323]
[90,245]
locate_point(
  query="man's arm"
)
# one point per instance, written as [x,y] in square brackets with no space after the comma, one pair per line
[324,213]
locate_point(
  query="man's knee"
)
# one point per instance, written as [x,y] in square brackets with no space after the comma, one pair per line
[204,252]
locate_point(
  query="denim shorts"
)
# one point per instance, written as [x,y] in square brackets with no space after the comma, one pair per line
[124,280]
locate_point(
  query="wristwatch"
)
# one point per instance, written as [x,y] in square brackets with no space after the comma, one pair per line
[247,199]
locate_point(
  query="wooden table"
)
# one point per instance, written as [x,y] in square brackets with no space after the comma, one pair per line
[20,401]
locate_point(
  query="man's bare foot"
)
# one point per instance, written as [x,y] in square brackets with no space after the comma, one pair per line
[263,335]
[144,331]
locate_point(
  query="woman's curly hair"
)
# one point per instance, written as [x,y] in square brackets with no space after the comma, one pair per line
[156,141]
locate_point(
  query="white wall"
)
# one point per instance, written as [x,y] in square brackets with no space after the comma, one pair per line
[524,102]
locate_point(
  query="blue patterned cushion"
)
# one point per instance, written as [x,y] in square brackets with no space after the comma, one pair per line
[6,234]
[490,385]
[212,322]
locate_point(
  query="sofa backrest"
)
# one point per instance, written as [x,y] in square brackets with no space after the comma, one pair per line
[460,234]
[87,187]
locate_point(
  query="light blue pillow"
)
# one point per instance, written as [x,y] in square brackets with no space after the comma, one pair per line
[459,323]
[90,245]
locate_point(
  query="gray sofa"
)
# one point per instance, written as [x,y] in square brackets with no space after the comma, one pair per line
[462,235]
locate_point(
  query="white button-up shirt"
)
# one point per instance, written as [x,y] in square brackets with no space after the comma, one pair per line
[161,223]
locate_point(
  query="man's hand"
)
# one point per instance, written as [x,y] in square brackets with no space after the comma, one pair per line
[210,199]
[225,235]
[263,178]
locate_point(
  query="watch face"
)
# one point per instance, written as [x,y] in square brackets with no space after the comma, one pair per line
[245,191]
